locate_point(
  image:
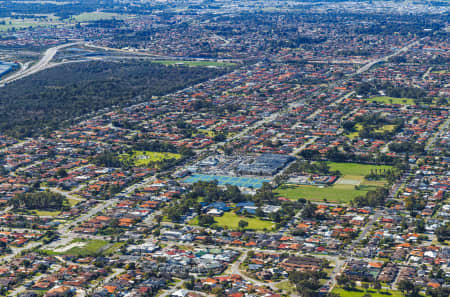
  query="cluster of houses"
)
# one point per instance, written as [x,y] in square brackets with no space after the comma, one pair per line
[276,267]
[252,121]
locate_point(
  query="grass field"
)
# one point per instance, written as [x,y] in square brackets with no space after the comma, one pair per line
[354,134]
[287,286]
[97,16]
[53,213]
[10,23]
[144,158]
[90,248]
[195,63]
[112,248]
[360,292]
[387,100]
[45,213]
[385,128]
[231,220]
[335,193]
[358,127]
[355,168]
[209,133]
[440,71]
[342,191]
[73,202]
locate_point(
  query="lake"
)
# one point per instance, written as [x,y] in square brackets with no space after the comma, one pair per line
[6,67]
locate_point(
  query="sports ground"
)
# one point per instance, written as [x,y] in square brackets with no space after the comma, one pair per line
[246,182]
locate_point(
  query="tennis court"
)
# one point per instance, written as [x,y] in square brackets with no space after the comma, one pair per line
[246,182]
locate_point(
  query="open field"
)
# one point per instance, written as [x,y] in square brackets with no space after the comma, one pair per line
[144,158]
[355,168]
[287,286]
[79,247]
[195,63]
[343,190]
[385,128]
[361,292]
[355,133]
[387,100]
[337,193]
[20,23]
[45,213]
[231,220]
[73,202]
[440,71]
[97,16]
[206,132]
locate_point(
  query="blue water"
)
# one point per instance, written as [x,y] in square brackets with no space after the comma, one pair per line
[255,183]
[6,67]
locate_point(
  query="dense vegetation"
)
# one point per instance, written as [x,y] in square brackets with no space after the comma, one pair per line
[372,198]
[210,192]
[54,98]
[39,200]
[114,159]
[443,232]
[59,8]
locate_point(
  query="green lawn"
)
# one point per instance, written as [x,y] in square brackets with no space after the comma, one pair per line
[195,63]
[73,202]
[45,213]
[355,168]
[231,220]
[352,173]
[209,133]
[335,193]
[111,249]
[358,127]
[90,248]
[387,100]
[286,286]
[144,158]
[10,23]
[385,128]
[440,71]
[360,292]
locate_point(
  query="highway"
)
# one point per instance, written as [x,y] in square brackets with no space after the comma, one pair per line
[42,64]
[386,58]
[64,230]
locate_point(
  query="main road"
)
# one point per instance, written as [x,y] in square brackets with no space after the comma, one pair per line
[42,64]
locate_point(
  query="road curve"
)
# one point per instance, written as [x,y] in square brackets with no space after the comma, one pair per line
[42,64]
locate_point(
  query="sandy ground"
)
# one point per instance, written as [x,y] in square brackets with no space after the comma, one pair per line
[68,247]
[345,181]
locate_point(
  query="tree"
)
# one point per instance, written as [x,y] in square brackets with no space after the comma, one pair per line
[420,226]
[206,220]
[39,200]
[242,224]
[377,285]
[61,172]
[408,288]
[438,292]
[309,210]
[443,232]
